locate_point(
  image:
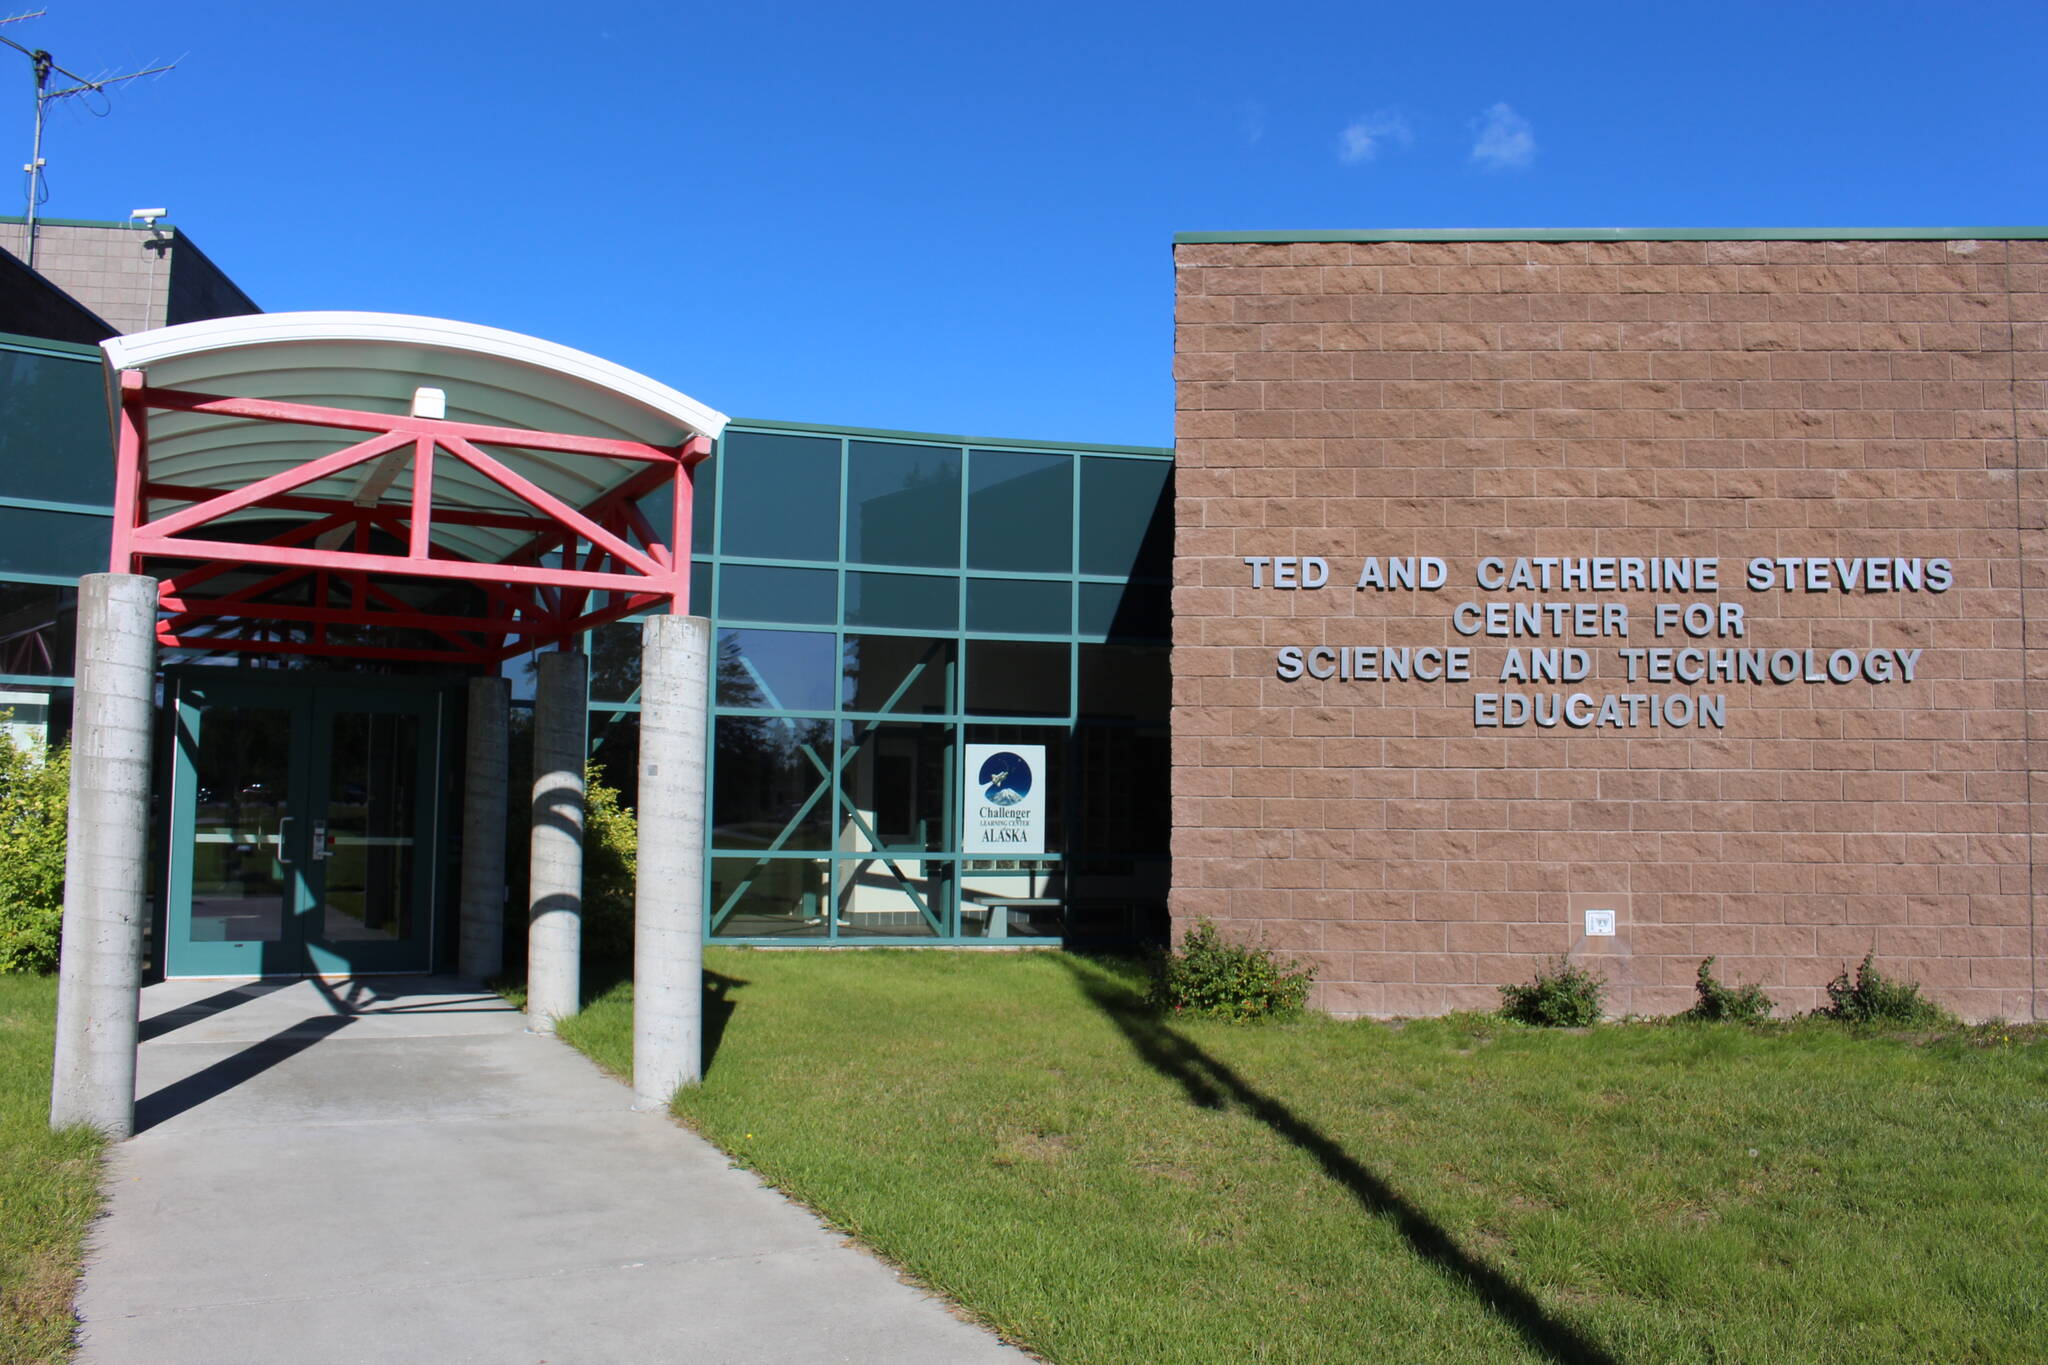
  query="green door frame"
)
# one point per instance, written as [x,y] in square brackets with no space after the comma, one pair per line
[311,702]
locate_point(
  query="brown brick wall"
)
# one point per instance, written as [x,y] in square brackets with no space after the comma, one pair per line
[1693,399]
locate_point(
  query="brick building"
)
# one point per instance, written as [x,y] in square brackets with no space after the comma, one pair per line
[1677,581]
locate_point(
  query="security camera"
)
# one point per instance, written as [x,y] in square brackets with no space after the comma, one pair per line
[149,216]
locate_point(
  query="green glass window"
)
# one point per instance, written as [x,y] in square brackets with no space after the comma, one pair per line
[780,496]
[773,789]
[900,675]
[1126,611]
[615,749]
[53,542]
[700,587]
[38,629]
[1019,606]
[1020,512]
[1016,678]
[1123,682]
[903,504]
[905,601]
[775,670]
[54,443]
[755,592]
[1126,517]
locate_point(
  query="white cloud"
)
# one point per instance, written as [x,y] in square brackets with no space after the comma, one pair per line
[1364,138]
[1506,141]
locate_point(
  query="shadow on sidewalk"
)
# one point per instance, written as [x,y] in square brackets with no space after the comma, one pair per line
[1210,1084]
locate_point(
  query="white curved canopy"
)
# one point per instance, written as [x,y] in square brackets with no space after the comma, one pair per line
[374,362]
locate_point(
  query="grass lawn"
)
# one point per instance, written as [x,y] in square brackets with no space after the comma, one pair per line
[49,1182]
[1106,1186]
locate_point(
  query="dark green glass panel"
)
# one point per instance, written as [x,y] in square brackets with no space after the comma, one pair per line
[1016,678]
[1126,517]
[615,749]
[54,443]
[770,898]
[38,629]
[1020,512]
[754,592]
[1019,606]
[614,662]
[1126,611]
[775,670]
[780,496]
[1122,775]
[898,674]
[769,771]
[53,542]
[906,601]
[1124,682]
[700,588]
[903,504]
[704,505]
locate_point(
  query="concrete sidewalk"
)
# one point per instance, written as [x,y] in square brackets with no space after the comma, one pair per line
[392,1169]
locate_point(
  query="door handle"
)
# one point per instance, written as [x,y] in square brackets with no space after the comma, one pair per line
[321,852]
[282,856]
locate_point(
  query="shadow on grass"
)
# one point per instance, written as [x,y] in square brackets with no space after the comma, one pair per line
[601,978]
[1209,1084]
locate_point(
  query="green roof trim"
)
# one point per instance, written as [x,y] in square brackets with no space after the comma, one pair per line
[13,341]
[1803,234]
[129,225]
[943,438]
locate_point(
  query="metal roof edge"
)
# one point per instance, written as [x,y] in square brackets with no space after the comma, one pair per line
[945,438]
[1620,234]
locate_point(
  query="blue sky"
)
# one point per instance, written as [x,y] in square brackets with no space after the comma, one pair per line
[958,217]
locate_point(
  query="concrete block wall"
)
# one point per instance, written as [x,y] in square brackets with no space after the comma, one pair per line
[135,278]
[1707,400]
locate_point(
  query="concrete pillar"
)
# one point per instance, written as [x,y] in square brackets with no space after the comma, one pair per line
[106,862]
[554,933]
[485,771]
[668,890]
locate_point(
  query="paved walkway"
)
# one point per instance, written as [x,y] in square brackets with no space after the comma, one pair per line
[394,1170]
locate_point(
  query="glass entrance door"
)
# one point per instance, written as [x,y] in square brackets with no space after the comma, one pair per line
[302,831]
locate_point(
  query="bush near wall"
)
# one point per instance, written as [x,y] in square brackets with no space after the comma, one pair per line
[35,786]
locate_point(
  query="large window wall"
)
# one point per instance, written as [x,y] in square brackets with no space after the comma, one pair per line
[56,519]
[882,600]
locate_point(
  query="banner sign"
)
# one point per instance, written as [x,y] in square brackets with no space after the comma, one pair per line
[1004,809]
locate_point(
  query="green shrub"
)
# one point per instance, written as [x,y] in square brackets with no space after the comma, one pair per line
[1237,981]
[611,846]
[1563,995]
[35,786]
[1719,1002]
[1874,998]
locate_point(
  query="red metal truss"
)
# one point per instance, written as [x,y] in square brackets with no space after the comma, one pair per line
[346,565]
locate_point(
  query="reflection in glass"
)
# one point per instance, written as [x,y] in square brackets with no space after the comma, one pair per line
[368,860]
[899,674]
[38,629]
[239,881]
[1127,611]
[1019,606]
[752,592]
[615,662]
[903,504]
[780,497]
[1016,678]
[1121,777]
[774,786]
[769,897]
[775,670]
[1126,517]
[895,787]
[615,749]
[1020,512]
[905,601]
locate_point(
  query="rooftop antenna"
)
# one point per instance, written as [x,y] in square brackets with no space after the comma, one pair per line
[44,64]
